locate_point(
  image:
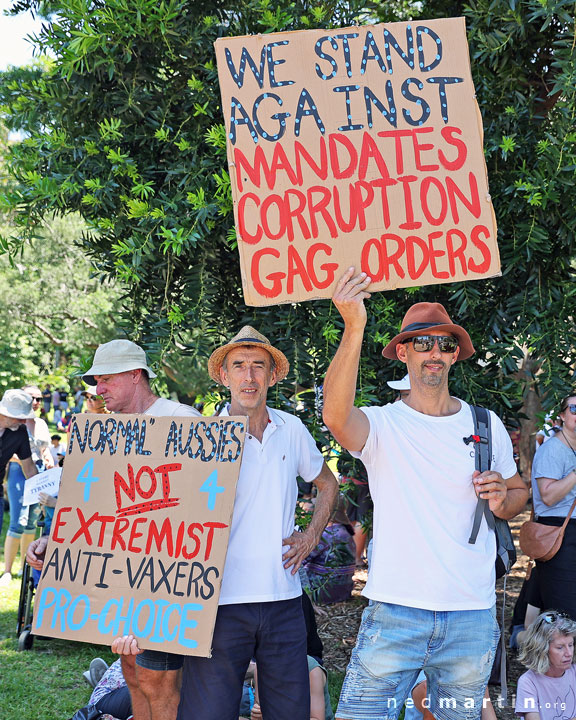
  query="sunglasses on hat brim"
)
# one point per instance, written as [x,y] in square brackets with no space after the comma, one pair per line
[425,343]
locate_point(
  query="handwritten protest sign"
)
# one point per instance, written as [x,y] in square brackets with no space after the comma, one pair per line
[359,146]
[139,536]
[46,482]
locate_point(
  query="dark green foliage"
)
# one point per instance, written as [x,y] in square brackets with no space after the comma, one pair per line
[125,127]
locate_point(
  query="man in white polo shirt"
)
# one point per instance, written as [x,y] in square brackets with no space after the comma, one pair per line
[260,612]
[121,376]
[432,591]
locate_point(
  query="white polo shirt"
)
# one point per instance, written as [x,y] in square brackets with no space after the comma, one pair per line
[263,515]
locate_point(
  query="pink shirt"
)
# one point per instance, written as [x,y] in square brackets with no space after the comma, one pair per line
[554,698]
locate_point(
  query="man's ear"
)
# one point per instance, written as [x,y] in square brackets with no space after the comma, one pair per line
[455,355]
[401,352]
[273,378]
[223,376]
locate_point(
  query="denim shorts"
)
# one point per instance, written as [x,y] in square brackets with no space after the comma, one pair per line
[454,648]
[22,519]
[159,660]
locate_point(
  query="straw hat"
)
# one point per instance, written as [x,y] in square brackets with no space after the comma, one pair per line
[247,336]
[115,357]
[429,316]
[17,404]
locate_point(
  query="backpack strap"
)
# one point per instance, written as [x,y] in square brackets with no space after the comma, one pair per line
[482,439]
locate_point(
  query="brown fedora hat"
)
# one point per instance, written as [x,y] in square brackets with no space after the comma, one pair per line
[429,316]
[247,336]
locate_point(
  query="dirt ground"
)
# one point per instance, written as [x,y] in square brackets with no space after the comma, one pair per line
[338,624]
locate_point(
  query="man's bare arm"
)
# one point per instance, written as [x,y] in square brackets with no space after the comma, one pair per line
[348,424]
[302,543]
[29,467]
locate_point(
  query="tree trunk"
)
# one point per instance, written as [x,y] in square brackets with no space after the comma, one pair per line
[529,425]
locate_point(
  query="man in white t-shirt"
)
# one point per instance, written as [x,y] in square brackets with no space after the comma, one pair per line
[122,376]
[432,593]
[260,606]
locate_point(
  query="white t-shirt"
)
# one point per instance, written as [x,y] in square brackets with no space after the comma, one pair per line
[55,451]
[170,408]
[420,476]
[263,515]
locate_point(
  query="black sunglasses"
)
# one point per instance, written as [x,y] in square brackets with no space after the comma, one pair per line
[551,617]
[570,407]
[425,343]
[37,399]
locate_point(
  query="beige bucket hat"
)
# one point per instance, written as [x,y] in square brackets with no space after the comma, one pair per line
[17,404]
[115,357]
[247,336]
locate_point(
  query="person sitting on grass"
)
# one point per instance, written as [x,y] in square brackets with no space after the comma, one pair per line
[110,696]
[547,691]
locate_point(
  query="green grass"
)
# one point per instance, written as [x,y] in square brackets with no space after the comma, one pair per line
[45,682]
[335,680]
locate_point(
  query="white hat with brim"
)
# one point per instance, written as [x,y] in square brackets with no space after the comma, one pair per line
[248,336]
[399,385]
[115,357]
[17,404]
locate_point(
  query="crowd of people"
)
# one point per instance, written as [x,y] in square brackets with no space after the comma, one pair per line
[431,593]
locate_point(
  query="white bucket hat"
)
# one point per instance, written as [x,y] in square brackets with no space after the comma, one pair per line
[399,385]
[115,357]
[17,404]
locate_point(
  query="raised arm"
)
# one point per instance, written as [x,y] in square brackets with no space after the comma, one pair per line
[347,423]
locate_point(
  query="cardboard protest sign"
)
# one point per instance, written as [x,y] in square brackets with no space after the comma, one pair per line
[46,482]
[140,533]
[359,146]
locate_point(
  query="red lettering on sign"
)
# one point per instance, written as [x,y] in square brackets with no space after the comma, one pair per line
[484,249]
[133,488]
[304,271]
[84,525]
[59,523]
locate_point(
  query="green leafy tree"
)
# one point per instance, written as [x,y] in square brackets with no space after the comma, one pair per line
[124,126]
[55,311]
